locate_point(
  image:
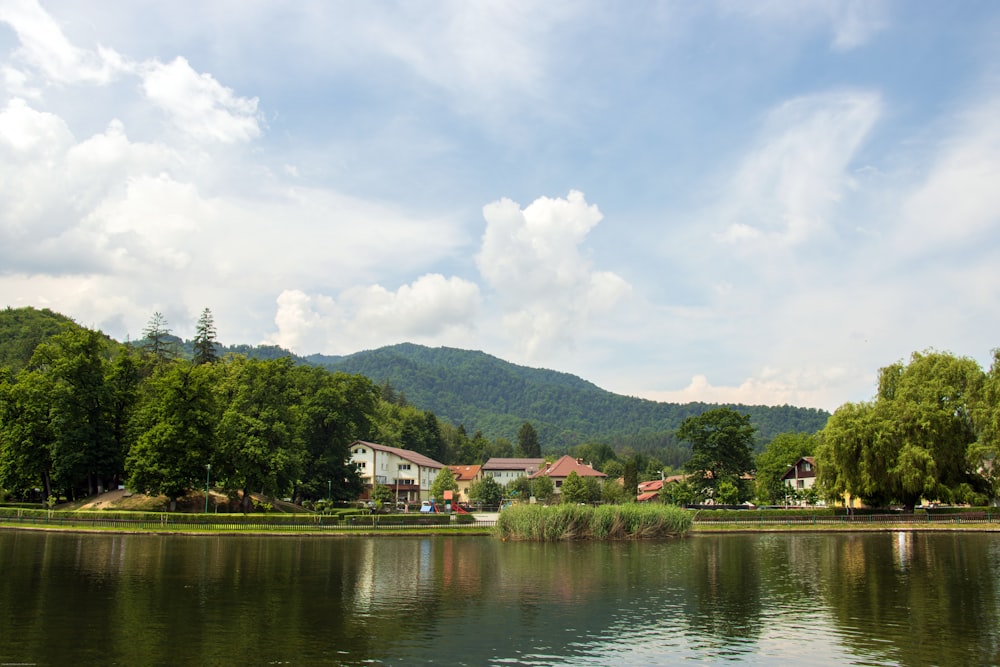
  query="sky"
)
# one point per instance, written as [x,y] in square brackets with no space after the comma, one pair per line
[758,202]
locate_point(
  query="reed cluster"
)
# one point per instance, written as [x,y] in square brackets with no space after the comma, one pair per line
[582,522]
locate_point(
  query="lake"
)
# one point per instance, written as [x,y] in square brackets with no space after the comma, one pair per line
[893,598]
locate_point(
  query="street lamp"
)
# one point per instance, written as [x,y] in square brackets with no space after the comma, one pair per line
[329,490]
[208,471]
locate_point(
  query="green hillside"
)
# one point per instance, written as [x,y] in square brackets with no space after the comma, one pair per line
[488,394]
[22,329]
[476,390]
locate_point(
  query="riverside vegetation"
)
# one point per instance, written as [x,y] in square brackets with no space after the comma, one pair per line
[581,522]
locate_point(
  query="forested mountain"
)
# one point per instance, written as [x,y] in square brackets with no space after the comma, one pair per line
[475,390]
[484,393]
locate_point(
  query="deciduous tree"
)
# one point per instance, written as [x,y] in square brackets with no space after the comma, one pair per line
[913,441]
[445,481]
[259,446]
[573,489]
[178,421]
[486,491]
[721,445]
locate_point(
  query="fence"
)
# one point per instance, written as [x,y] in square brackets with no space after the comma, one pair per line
[750,518]
[235,523]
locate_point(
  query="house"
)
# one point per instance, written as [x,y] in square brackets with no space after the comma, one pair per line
[505,471]
[408,473]
[652,489]
[801,475]
[464,477]
[561,469]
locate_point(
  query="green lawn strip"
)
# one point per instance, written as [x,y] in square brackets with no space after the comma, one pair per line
[195,529]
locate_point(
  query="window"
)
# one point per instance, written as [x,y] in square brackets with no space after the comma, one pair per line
[359,450]
[404,466]
[800,484]
[361,465]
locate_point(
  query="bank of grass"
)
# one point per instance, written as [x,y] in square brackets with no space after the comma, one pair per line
[582,522]
[343,522]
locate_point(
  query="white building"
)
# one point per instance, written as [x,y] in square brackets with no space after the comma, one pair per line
[406,472]
[505,471]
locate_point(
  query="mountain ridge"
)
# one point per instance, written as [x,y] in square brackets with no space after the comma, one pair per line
[485,393]
[478,391]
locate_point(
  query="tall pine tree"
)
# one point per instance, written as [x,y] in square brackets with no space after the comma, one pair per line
[205,345]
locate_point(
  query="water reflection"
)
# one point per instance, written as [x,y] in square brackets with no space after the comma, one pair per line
[891,598]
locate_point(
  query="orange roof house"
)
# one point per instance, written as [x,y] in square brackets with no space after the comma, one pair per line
[651,490]
[464,476]
[559,470]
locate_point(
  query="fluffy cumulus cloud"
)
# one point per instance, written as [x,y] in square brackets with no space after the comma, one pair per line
[431,308]
[786,213]
[199,105]
[532,260]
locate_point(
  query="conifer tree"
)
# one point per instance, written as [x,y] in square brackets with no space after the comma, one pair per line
[205,345]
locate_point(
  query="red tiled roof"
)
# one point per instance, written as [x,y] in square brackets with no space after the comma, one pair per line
[411,456]
[651,485]
[643,497]
[567,464]
[464,473]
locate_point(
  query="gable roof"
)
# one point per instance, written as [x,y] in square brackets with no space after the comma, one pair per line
[529,466]
[795,471]
[465,473]
[409,455]
[567,464]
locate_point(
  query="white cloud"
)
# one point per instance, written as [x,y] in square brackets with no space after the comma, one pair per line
[198,104]
[771,386]
[45,48]
[959,201]
[431,308]
[853,23]
[786,188]
[531,258]
[486,53]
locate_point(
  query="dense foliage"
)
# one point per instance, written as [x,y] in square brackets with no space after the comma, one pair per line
[721,453]
[772,464]
[495,397]
[84,414]
[928,434]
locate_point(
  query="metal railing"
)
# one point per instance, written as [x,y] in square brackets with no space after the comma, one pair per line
[238,523]
[854,519]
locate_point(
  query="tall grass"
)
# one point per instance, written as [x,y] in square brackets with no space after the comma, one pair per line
[579,522]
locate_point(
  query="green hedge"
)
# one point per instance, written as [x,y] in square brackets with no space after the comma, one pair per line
[169,518]
[415,519]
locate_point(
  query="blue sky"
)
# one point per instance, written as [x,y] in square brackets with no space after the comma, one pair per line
[756,202]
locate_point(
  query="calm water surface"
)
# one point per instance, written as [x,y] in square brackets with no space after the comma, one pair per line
[768,599]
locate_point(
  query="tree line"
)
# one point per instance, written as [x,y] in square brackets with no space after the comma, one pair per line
[931,433]
[81,413]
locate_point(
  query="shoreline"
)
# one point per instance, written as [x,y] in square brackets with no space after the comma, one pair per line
[346,533]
